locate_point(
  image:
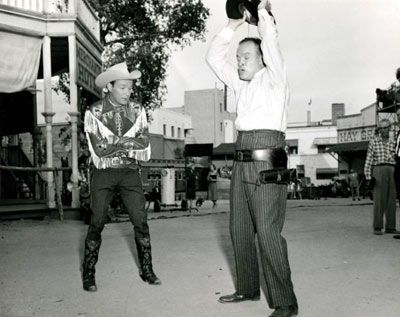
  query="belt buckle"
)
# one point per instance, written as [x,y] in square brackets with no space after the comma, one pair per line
[115,161]
[239,155]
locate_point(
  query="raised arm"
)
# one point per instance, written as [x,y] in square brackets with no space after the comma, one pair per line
[217,54]
[269,42]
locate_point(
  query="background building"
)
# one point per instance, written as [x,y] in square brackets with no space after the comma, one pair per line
[354,133]
[39,40]
[168,133]
[212,123]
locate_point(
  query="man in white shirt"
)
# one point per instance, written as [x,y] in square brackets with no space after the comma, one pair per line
[261,91]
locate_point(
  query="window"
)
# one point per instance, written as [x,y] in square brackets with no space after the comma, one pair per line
[172,131]
[220,107]
[164,129]
[179,133]
[221,126]
[293,149]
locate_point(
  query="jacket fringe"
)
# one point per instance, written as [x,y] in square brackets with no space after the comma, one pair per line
[95,126]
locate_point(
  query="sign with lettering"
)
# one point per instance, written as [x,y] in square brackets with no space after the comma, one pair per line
[87,68]
[356,135]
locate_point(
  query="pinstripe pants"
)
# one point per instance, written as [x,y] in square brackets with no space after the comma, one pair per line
[384,197]
[259,209]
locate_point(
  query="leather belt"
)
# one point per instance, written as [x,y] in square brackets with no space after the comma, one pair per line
[117,162]
[276,156]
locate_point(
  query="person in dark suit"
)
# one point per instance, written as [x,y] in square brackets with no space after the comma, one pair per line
[191,178]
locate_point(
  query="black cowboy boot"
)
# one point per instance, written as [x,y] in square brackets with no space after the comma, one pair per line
[146,268]
[91,256]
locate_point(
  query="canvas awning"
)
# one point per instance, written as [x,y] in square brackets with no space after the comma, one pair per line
[224,149]
[327,170]
[348,147]
[292,143]
[19,61]
[325,141]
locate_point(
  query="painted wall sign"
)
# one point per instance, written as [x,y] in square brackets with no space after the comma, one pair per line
[356,135]
[87,69]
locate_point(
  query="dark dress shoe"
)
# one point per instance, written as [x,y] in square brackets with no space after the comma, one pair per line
[396,237]
[392,231]
[236,298]
[285,311]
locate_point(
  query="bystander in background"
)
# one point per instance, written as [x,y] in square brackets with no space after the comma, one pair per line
[212,179]
[354,185]
[379,172]
[191,177]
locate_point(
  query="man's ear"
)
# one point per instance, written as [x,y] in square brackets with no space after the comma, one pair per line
[261,60]
[109,86]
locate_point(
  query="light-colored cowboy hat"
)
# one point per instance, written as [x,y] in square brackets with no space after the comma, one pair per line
[116,72]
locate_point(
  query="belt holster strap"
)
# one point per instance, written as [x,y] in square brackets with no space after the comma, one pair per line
[277,176]
[277,157]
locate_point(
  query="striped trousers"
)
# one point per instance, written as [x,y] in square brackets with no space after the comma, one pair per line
[259,210]
[384,197]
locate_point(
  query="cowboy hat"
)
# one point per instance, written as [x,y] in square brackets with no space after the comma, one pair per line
[235,10]
[116,72]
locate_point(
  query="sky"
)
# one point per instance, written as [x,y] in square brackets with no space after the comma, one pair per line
[335,51]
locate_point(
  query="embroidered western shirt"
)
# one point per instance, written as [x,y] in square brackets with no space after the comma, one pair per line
[262,102]
[117,135]
[379,153]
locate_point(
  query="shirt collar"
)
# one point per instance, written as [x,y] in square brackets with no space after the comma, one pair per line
[259,73]
[109,106]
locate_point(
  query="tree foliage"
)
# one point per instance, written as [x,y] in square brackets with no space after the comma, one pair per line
[144,33]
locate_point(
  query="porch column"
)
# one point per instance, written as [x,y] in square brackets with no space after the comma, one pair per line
[36,134]
[48,115]
[74,114]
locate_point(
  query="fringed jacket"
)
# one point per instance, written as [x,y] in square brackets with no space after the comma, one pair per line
[117,135]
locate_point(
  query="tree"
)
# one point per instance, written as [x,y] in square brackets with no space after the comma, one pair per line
[144,33]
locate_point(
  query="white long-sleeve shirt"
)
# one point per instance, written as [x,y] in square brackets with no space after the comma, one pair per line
[262,102]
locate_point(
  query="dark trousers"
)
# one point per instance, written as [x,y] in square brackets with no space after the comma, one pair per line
[259,209]
[129,184]
[397,177]
[384,197]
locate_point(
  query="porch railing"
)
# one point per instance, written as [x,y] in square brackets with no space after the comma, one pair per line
[80,8]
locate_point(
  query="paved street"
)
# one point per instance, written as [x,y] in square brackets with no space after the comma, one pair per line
[339,268]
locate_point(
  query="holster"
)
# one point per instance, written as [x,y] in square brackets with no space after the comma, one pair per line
[277,176]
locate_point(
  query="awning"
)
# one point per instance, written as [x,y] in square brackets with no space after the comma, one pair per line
[325,141]
[290,143]
[327,170]
[348,147]
[19,61]
[199,149]
[224,149]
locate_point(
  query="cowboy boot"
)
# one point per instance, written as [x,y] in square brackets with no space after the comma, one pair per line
[146,267]
[91,256]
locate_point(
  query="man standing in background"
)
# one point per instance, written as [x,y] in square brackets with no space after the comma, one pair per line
[379,172]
